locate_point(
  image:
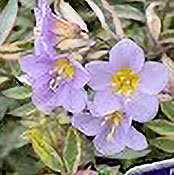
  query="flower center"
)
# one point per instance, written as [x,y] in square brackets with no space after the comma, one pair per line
[124,81]
[114,119]
[63,69]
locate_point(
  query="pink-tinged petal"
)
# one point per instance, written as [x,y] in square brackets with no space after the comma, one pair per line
[141,107]
[154,78]
[105,102]
[110,146]
[35,68]
[81,76]
[136,140]
[99,74]
[126,54]
[86,123]
[76,100]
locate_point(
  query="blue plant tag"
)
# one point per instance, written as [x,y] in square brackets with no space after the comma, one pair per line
[165,167]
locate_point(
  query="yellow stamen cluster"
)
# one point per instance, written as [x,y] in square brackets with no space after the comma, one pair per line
[114,119]
[65,69]
[124,81]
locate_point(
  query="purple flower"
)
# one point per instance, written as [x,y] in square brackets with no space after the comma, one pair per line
[128,77]
[56,82]
[45,30]
[112,128]
[126,89]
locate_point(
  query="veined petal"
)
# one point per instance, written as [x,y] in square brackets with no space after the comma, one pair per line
[46,23]
[100,74]
[126,54]
[105,102]
[136,140]
[34,67]
[44,17]
[110,146]
[81,76]
[154,78]
[43,97]
[44,48]
[76,100]
[86,123]
[141,107]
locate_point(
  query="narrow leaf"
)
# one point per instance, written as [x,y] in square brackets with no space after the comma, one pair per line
[98,13]
[72,151]
[47,153]
[70,14]
[7,19]
[164,143]
[23,111]
[10,137]
[129,154]
[115,17]
[10,56]
[17,93]
[168,109]
[129,12]
[3,79]
[153,21]
[5,105]
[103,169]
[162,127]
[135,1]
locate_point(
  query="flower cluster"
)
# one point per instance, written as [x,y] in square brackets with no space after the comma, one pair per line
[125,88]
[57,80]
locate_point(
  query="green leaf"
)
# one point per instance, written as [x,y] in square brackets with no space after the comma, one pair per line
[72,151]
[130,154]
[104,18]
[168,109]
[129,12]
[6,104]
[23,22]
[3,3]
[162,127]
[15,68]
[3,79]
[27,4]
[23,111]
[88,153]
[46,152]
[25,160]
[10,137]
[114,2]
[18,92]
[7,19]
[70,14]
[134,1]
[164,143]
[63,118]
[106,170]
[98,13]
